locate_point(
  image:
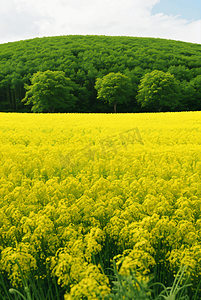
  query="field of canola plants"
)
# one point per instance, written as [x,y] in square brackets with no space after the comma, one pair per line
[78,191]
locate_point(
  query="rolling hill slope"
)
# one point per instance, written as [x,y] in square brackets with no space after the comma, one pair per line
[86,58]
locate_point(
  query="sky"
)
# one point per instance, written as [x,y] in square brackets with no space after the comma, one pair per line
[168,19]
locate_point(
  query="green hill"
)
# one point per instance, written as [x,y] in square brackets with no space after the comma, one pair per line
[86,58]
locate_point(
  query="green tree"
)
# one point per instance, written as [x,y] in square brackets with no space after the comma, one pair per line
[157,90]
[186,101]
[50,91]
[195,97]
[114,88]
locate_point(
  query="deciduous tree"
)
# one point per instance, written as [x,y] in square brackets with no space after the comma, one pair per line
[158,89]
[195,98]
[50,91]
[113,88]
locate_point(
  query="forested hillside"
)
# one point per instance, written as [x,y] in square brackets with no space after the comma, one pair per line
[86,58]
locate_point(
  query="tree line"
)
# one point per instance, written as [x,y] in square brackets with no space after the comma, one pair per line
[85,59]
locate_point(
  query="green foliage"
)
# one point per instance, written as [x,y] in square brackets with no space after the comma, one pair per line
[178,290]
[128,287]
[158,89]
[33,288]
[50,91]
[83,59]
[114,88]
[195,85]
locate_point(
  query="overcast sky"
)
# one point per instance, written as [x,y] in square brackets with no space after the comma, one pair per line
[170,19]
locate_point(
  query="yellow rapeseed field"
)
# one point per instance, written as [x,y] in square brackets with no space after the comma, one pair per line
[79,190]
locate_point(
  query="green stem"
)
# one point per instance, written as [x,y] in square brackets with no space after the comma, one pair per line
[4,286]
[13,291]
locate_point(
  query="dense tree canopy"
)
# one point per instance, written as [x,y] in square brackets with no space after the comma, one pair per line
[50,91]
[195,85]
[114,88]
[83,59]
[158,90]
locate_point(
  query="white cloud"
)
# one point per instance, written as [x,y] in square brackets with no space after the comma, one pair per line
[173,27]
[20,19]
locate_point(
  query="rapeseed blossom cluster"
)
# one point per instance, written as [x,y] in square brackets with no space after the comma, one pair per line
[80,190]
